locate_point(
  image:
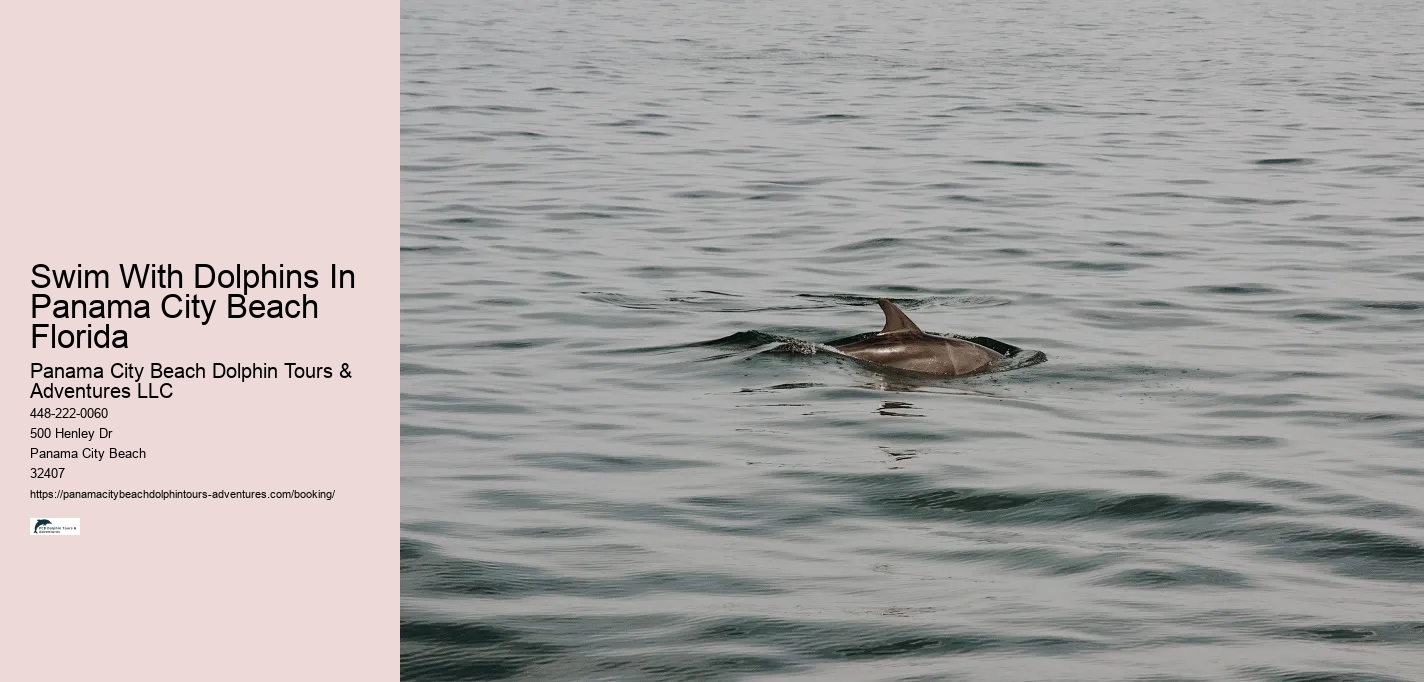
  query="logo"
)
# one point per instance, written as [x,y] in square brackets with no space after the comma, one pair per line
[55,526]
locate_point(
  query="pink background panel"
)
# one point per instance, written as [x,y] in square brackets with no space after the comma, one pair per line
[182,133]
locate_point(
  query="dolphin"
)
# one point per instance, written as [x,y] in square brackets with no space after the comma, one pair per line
[902,345]
[38,523]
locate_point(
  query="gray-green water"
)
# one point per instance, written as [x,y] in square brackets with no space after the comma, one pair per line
[1210,216]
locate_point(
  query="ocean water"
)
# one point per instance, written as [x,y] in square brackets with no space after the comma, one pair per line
[1208,215]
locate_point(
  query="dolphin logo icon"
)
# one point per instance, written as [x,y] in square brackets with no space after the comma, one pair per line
[41,522]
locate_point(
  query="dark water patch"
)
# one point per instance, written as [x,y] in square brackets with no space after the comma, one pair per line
[878,243]
[744,340]
[471,221]
[506,109]
[660,272]
[900,455]
[553,531]
[896,408]
[1137,320]
[415,431]
[427,236]
[1174,507]
[1314,243]
[1288,375]
[1293,161]
[1124,374]
[1224,200]
[782,387]
[563,276]
[772,196]
[1143,473]
[459,138]
[469,634]
[499,301]
[426,296]
[1017,164]
[467,405]
[1362,507]
[1261,482]
[1043,561]
[1272,399]
[1394,471]
[1319,316]
[494,344]
[1396,632]
[1394,306]
[910,297]
[430,573]
[704,302]
[513,499]
[1184,577]
[1413,438]
[705,194]
[595,463]
[911,497]
[1341,417]
[441,650]
[1357,553]
[1234,289]
[1397,391]
[411,548]
[486,478]
[684,665]
[444,108]
[748,518]
[416,369]
[791,183]
[1320,417]
[1091,266]
[580,215]
[1378,169]
[1284,675]
[1200,440]
[850,641]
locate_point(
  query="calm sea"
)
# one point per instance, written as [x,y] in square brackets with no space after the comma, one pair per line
[1209,216]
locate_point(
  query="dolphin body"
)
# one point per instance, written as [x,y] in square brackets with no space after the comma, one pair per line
[41,522]
[902,345]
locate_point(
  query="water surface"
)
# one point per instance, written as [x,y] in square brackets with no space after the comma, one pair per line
[1208,216]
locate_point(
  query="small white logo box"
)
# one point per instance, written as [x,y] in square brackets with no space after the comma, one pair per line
[54,526]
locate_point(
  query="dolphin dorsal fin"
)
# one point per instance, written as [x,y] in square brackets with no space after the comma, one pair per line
[895,319]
